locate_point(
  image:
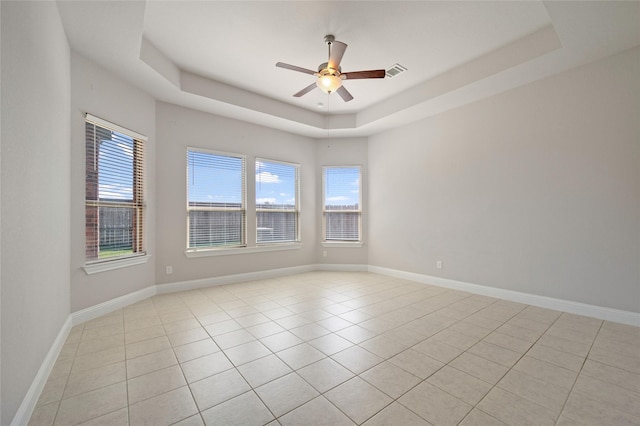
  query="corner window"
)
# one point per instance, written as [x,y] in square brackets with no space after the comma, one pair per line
[216,200]
[114,202]
[277,208]
[341,200]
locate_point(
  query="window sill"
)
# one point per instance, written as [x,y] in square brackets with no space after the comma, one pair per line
[108,265]
[241,250]
[342,244]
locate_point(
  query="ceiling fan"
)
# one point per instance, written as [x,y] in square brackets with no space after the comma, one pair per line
[329,74]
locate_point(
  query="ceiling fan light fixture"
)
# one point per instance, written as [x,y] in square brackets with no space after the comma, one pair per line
[329,82]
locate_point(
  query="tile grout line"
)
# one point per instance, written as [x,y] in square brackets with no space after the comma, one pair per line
[94,368]
[126,369]
[235,367]
[436,371]
[525,353]
[302,378]
[66,381]
[411,347]
[221,350]
[509,368]
[579,371]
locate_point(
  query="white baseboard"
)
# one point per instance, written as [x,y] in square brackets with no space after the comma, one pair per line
[109,306]
[33,393]
[232,279]
[340,267]
[600,312]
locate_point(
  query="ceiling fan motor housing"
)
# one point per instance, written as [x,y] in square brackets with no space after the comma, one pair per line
[324,67]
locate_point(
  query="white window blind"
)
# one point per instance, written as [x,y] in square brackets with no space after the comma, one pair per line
[114,202]
[216,195]
[277,208]
[342,209]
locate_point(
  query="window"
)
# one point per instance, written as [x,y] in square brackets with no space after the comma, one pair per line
[114,202]
[216,200]
[341,204]
[276,202]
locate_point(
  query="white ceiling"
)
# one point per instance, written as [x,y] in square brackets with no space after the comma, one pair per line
[219,56]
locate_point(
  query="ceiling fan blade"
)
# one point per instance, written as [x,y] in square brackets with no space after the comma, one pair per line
[344,94]
[363,74]
[305,90]
[336,51]
[294,68]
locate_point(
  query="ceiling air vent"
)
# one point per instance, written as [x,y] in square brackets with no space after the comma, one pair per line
[395,70]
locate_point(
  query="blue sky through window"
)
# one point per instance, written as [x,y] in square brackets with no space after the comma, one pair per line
[115,166]
[342,186]
[275,183]
[214,178]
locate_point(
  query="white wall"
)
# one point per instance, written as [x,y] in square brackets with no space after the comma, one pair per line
[179,128]
[100,93]
[343,152]
[35,192]
[535,190]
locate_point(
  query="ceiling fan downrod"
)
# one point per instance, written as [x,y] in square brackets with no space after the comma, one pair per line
[329,39]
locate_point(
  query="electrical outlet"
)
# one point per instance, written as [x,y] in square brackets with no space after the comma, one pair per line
[324,253]
[439,264]
[169,270]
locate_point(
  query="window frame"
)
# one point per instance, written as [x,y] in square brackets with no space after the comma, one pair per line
[335,242]
[195,251]
[138,202]
[296,209]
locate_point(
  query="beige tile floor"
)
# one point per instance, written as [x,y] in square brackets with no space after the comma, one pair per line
[328,348]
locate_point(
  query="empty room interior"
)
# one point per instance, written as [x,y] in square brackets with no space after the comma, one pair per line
[320,213]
